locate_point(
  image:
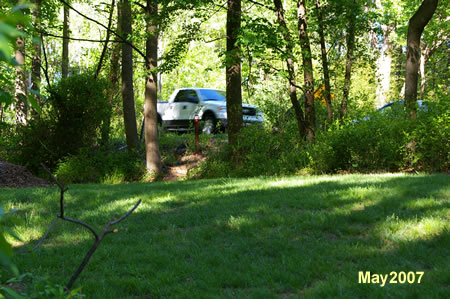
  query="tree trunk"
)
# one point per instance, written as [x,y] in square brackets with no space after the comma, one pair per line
[415,28]
[114,78]
[36,58]
[310,115]
[129,113]
[384,67]
[426,53]
[153,157]
[326,72]
[65,48]
[20,89]
[348,67]
[423,61]
[233,73]
[291,69]
[105,45]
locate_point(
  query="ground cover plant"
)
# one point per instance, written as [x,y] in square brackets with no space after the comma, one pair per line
[260,237]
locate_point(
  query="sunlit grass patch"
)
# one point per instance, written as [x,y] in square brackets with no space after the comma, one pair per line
[259,237]
[399,230]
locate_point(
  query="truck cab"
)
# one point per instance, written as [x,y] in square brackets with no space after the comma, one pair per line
[209,104]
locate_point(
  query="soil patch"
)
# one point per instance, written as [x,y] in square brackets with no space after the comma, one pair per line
[15,176]
[186,162]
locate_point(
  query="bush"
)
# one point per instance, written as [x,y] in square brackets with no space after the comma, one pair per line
[380,143]
[428,145]
[261,151]
[369,145]
[100,165]
[79,107]
[72,118]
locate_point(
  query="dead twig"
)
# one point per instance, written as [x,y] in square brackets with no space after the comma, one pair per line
[98,237]
[98,240]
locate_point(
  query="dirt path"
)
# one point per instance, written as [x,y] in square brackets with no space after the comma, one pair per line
[178,172]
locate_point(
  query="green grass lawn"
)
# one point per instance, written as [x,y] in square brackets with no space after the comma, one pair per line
[258,238]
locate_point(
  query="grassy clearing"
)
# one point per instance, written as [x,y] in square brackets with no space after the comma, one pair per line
[260,237]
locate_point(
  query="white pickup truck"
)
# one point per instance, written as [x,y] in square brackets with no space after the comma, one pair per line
[209,104]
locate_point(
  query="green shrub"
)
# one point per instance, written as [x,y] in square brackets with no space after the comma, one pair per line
[427,146]
[72,118]
[79,108]
[100,165]
[261,151]
[368,145]
[379,143]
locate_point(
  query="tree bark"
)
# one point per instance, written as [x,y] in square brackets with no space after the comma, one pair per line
[326,72]
[426,53]
[384,67]
[36,56]
[233,73]
[310,115]
[415,28]
[348,67]
[105,46]
[423,61]
[114,78]
[65,48]
[153,157]
[20,89]
[129,113]
[291,68]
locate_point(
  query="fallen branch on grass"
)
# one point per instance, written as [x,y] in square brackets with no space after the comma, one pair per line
[98,237]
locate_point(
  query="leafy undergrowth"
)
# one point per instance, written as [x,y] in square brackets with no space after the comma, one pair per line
[259,237]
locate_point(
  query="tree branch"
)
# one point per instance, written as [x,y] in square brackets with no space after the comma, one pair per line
[46,61]
[100,24]
[79,39]
[82,224]
[97,242]
[45,236]
[105,46]
[262,5]
[98,238]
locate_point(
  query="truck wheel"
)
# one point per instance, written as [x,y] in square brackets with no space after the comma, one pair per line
[209,125]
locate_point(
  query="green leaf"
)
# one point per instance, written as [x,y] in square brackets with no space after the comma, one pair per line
[5,260]
[12,293]
[7,99]
[12,233]
[5,49]
[5,247]
[33,101]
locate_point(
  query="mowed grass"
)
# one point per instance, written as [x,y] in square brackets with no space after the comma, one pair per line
[258,238]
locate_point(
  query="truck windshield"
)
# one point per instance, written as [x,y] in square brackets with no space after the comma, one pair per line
[213,95]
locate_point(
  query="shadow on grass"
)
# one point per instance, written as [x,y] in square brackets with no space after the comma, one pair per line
[258,237]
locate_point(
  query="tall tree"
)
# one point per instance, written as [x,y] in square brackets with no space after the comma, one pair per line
[348,62]
[291,67]
[233,72]
[153,157]
[432,41]
[426,51]
[384,61]
[310,114]
[326,72]
[416,26]
[105,45]
[20,89]
[113,75]
[129,112]
[36,55]
[65,47]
